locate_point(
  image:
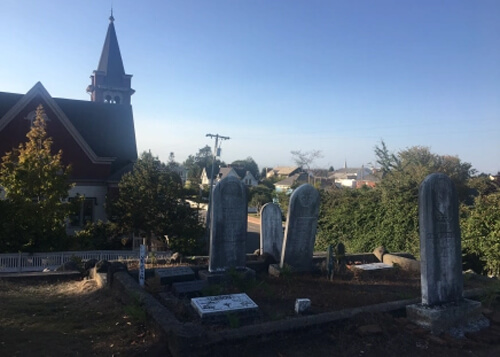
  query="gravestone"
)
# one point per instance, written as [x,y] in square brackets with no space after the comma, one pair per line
[440,242]
[228,231]
[443,306]
[300,232]
[210,307]
[271,230]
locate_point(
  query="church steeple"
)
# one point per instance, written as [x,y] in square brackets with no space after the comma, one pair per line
[110,84]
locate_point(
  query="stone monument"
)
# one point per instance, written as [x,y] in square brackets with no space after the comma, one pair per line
[300,231]
[443,306]
[228,231]
[271,231]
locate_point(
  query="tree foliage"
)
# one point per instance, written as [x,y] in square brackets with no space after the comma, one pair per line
[36,185]
[242,166]
[305,159]
[196,163]
[151,202]
[260,195]
[387,214]
[480,227]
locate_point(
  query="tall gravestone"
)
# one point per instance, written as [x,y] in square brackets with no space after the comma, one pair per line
[300,231]
[443,306]
[440,242]
[271,230]
[228,231]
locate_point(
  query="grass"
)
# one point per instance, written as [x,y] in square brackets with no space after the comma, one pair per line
[70,319]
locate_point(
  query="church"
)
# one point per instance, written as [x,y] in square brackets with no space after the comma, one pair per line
[97,137]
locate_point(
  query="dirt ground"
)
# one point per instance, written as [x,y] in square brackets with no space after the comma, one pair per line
[79,319]
[367,334]
[74,318]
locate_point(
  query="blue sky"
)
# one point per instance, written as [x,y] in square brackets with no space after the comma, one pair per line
[278,75]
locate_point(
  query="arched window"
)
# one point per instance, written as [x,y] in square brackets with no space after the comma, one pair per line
[117,99]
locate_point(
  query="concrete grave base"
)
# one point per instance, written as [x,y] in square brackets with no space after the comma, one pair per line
[276,271]
[454,318]
[189,289]
[167,276]
[226,276]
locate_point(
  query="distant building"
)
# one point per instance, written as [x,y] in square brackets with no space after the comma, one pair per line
[97,137]
[283,171]
[286,184]
[248,179]
[354,177]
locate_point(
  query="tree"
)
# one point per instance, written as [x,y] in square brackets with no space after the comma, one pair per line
[151,202]
[172,164]
[202,160]
[260,195]
[387,161]
[242,166]
[388,214]
[306,158]
[481,232]
[36,185]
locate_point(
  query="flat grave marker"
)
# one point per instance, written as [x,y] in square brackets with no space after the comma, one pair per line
[210,306]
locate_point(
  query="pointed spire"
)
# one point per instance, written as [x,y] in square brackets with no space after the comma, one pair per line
[111,59]
[109,82]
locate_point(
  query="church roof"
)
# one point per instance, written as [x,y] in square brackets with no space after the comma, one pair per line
[111,59]
[107,129]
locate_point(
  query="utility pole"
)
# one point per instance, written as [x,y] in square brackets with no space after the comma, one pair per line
[216,153]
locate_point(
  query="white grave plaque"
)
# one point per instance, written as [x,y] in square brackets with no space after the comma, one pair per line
[221,304]
[373,266]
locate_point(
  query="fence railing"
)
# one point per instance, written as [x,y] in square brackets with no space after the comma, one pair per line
[27,262]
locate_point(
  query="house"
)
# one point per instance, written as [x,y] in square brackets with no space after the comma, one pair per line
[354,177]
[286,184]
[283,171]
[97,137]
[248,179]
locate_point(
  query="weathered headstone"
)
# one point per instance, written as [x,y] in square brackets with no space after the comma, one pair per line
[443,305]
[228,231]
[340,255]
[271,230]
[440,243]
[300,232]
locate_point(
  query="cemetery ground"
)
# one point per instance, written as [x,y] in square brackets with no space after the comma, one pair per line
[80,318]
[71,318]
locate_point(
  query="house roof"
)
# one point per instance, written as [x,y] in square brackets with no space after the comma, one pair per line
[107,129]
[224,172]
[285,170]
[111,62]
[289,181]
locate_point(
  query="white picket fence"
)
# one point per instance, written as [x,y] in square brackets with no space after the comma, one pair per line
[26,262]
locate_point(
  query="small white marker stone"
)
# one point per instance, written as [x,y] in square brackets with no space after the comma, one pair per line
[302,305]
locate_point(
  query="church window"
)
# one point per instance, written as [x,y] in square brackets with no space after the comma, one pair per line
[83,213]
